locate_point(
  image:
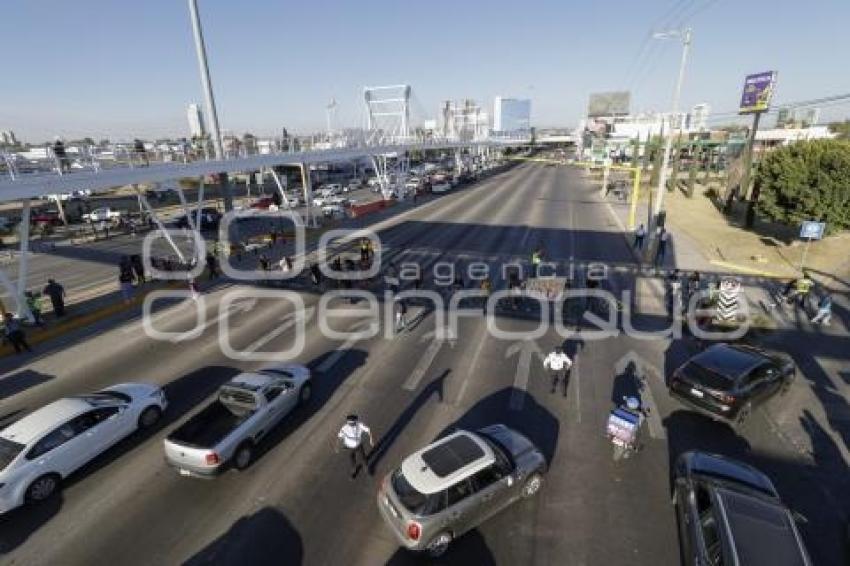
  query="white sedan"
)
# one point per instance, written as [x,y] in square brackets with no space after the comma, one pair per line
[39,450]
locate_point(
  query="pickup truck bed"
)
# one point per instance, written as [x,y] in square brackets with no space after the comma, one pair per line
[209,427]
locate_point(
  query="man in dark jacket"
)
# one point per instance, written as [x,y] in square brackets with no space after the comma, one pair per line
[57,296]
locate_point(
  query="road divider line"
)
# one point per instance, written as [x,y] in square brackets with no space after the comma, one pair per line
[422,366]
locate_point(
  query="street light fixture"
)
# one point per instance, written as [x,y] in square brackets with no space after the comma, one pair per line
[685,35]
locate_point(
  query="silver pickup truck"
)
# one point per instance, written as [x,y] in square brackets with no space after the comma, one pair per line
[228,429]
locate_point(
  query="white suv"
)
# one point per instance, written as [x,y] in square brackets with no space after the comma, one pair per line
[44,447]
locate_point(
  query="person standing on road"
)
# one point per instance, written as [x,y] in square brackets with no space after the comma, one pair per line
[212,266]
[640,236]
[364,249]
[351,437]
[35,307]
[15,334]
[125,281]
[824,314]
[558,364]
[316,274]
[138,268]
[56,292]
[663,236]
[400,315]
[486,288]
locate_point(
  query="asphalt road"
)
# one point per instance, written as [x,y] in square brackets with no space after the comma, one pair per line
[296,503]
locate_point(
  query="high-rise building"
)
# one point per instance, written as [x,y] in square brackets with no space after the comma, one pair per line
[511,114]
[7,137]
[196,121]
[698,117]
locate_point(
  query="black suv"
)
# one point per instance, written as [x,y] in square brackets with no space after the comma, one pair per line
[729,513]
[728,381]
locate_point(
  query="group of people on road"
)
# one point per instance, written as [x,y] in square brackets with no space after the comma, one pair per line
[663,238]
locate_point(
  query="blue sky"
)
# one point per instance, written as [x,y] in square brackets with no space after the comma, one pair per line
[124,69]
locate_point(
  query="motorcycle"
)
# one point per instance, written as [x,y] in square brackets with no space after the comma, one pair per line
[624,426]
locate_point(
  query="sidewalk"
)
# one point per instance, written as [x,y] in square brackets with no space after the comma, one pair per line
[699,233]
[768,249]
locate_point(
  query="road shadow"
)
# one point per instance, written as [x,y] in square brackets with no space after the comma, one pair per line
[386,441]
[322,391]
[470,549]
[264,538]
[19,524]
[18,382]
[183,394]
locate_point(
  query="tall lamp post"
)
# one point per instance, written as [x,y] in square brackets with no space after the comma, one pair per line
[662,177]
[201,52]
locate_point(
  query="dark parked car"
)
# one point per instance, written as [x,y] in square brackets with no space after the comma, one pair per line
[727,381]
[729,512]
[210,218]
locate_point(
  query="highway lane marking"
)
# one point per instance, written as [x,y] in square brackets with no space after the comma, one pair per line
[422,366]
[527,350]
[656,428]
[577,377]
[169,311]
[290,320]
[337,355]
[473,364]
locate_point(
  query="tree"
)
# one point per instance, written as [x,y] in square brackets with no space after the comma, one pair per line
[808,180]
[841,129]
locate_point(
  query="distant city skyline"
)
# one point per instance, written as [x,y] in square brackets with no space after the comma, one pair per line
[99,69]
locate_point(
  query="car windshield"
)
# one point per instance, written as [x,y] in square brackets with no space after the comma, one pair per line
[706,377]
[414,501]
[8,451]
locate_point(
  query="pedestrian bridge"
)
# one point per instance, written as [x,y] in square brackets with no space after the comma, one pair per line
[102,175]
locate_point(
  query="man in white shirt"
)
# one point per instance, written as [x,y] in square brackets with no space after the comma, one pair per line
[558,364]
[351,438]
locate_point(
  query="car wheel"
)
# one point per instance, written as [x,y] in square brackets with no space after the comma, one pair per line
[532,485]
[744,414]
[244,455]
[439,545]
[42,488]
[305,393]
[149,417]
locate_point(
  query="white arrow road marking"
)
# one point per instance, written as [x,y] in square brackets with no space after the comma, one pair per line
[527,349]
[337,355]
[644,368]
[289,321]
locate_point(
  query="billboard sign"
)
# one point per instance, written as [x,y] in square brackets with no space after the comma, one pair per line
[758,90]
[604,104]
[812,230]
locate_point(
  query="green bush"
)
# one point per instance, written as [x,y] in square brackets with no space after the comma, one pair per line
[806,181]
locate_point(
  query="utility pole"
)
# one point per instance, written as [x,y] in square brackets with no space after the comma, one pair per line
[662,178]
[201,52]
[746,174]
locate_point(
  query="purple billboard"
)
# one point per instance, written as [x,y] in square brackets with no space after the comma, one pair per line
[758,90]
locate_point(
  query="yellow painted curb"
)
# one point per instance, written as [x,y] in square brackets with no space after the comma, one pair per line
[75,322]
[744,269]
